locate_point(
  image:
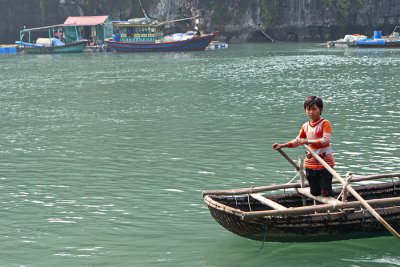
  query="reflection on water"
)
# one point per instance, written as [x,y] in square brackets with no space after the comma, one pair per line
[104,156]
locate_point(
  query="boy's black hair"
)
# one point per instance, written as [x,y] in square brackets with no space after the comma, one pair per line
[311,100]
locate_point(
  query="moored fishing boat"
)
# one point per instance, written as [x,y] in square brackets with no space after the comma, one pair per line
[379,41]
[54,43]
[38,48]
[145,35]
[262,213]
[217,45]
[349,40]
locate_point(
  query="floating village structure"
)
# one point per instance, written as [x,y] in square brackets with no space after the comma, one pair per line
[94,29]
[99,33]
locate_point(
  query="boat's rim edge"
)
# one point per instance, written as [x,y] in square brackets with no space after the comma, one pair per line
[216,205]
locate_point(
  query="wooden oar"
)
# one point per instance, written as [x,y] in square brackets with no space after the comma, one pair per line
[299,169]
[294,164]
[354,193]
[288,159]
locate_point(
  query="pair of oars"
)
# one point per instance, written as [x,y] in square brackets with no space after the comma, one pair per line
[349,188]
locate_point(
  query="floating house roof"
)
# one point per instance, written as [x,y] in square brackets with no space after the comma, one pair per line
[86,20]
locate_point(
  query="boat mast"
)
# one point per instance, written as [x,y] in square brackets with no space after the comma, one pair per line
[21,35]
[144,12]
[76,33]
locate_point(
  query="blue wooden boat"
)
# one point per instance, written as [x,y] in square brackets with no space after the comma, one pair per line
[144,35]
[8,49]
[379,41]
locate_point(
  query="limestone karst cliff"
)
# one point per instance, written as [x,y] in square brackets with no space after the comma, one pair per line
[236,20]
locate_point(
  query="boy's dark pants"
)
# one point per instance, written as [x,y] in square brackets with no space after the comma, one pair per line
[320,182]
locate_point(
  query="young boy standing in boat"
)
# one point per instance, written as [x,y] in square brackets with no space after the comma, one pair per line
[317,134]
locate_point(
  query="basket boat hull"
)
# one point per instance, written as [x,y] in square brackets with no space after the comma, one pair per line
[337,224]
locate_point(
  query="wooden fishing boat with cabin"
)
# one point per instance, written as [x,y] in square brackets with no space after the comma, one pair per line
[146,35]
[40,48]
[289,213]
[54,43]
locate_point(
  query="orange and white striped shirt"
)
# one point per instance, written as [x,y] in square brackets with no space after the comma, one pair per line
[320,131]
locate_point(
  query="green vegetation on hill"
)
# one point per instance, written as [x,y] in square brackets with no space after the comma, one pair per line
[345,8]
[269,12]
[270,9]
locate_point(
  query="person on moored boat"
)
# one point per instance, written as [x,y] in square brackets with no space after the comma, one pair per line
[197,31]
[317,134]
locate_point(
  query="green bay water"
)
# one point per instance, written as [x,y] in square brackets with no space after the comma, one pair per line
[104,156]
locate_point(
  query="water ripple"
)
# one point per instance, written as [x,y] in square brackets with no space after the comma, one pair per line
[105,156]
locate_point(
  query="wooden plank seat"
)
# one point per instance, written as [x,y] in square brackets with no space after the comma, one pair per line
[325,200]
[268,202]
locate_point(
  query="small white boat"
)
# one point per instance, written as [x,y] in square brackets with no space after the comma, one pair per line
[349,40]
[216,45]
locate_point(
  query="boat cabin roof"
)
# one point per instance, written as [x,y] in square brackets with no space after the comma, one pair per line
[137,22]
[86,20]
[45,28]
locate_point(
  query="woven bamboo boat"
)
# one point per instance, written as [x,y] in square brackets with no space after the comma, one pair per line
[282,217]
[289,213]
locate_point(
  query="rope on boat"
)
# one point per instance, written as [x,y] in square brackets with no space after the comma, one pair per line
[248,197]
[265,234]
[248,201]
[349,176]
[298,171]
[363,219]
[394,185]
[297,174]
[234,196]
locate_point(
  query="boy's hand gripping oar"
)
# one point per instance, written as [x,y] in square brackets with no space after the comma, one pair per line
[354,193]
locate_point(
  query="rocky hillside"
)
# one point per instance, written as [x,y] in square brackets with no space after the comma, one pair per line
[236,20]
